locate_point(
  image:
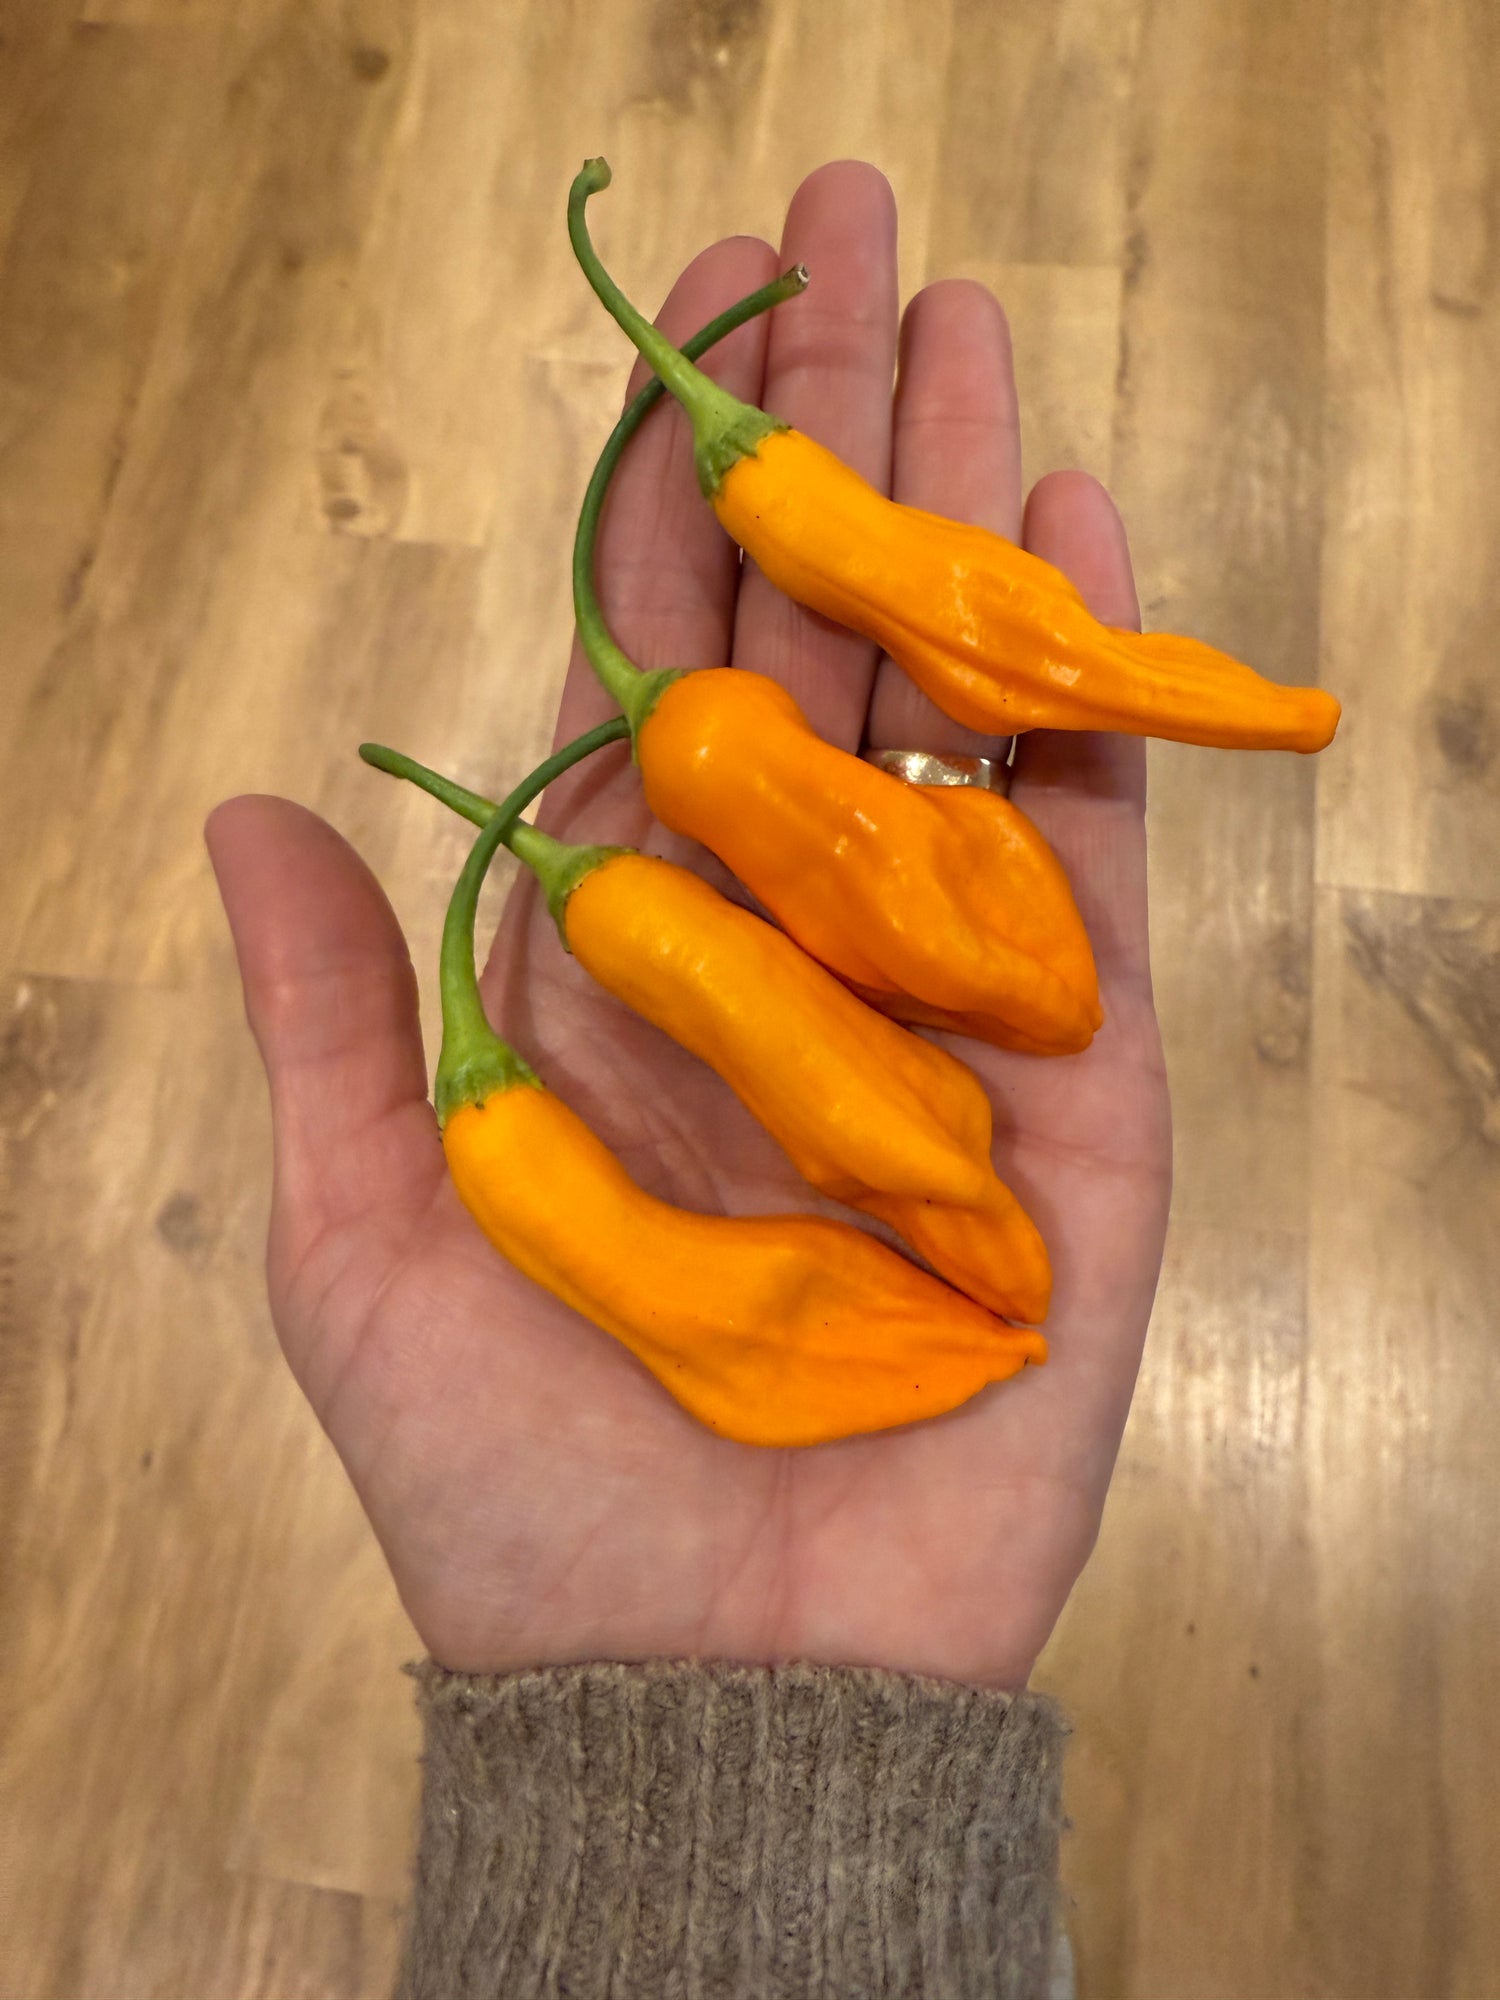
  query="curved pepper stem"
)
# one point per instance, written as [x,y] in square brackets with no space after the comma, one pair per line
[724,428]
[559,865]
[396,764]
[475,1062]
[636,691]
[474,805]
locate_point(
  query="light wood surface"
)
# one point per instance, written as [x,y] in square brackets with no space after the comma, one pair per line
[298,389]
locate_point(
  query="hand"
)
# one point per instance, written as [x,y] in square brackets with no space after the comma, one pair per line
[540,1499]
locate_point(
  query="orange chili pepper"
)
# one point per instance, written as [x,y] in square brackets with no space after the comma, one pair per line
[999,639]
[775,1330]
[940,904]
[869,1114]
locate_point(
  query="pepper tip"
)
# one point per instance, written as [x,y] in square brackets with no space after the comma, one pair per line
[1333,714]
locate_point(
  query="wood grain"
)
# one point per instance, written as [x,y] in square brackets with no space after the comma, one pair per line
[1217,467]
[1189,1854]
[1036,132]
[1405,1238]
[186,1571]
[93,232]
[298,390]
[1410,585]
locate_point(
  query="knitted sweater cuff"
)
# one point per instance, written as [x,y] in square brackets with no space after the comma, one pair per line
[687,1829]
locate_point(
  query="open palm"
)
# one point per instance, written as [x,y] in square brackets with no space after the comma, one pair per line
[539,1498]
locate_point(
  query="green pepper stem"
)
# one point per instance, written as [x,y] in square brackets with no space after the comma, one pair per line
[638,692]
[474,805]
[469,805]
[475,1062]
[724,428]
[559,865]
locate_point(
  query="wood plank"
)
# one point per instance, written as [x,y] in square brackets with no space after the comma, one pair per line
[1188,1653]
[851,79]
[1411,590]
[196,562]
[39,39]
[261,1941]
[1180,1653]
[460,276]
[1217,468]
[1405,1511]
[90,246]
[185,1559]
[1036,128]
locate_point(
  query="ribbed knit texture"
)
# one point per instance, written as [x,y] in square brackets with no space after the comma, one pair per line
[688,1831]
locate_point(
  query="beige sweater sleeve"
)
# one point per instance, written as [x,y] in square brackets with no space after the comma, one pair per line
[682,1831]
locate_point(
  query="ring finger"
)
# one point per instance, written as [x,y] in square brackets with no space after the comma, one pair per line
[956,451]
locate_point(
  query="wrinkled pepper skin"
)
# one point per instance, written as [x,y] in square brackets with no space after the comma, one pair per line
[939,904]
[776,1330]
[996,637]
[869,1114]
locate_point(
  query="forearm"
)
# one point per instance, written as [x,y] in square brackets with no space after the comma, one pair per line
[677,1828]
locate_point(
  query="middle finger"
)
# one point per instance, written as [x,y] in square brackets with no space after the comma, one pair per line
[957,453]
[830,360]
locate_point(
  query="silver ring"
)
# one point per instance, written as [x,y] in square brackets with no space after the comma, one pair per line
[931,767]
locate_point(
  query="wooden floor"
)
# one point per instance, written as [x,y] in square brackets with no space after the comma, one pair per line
[297,393]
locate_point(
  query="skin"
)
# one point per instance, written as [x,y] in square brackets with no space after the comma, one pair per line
[538,1498]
